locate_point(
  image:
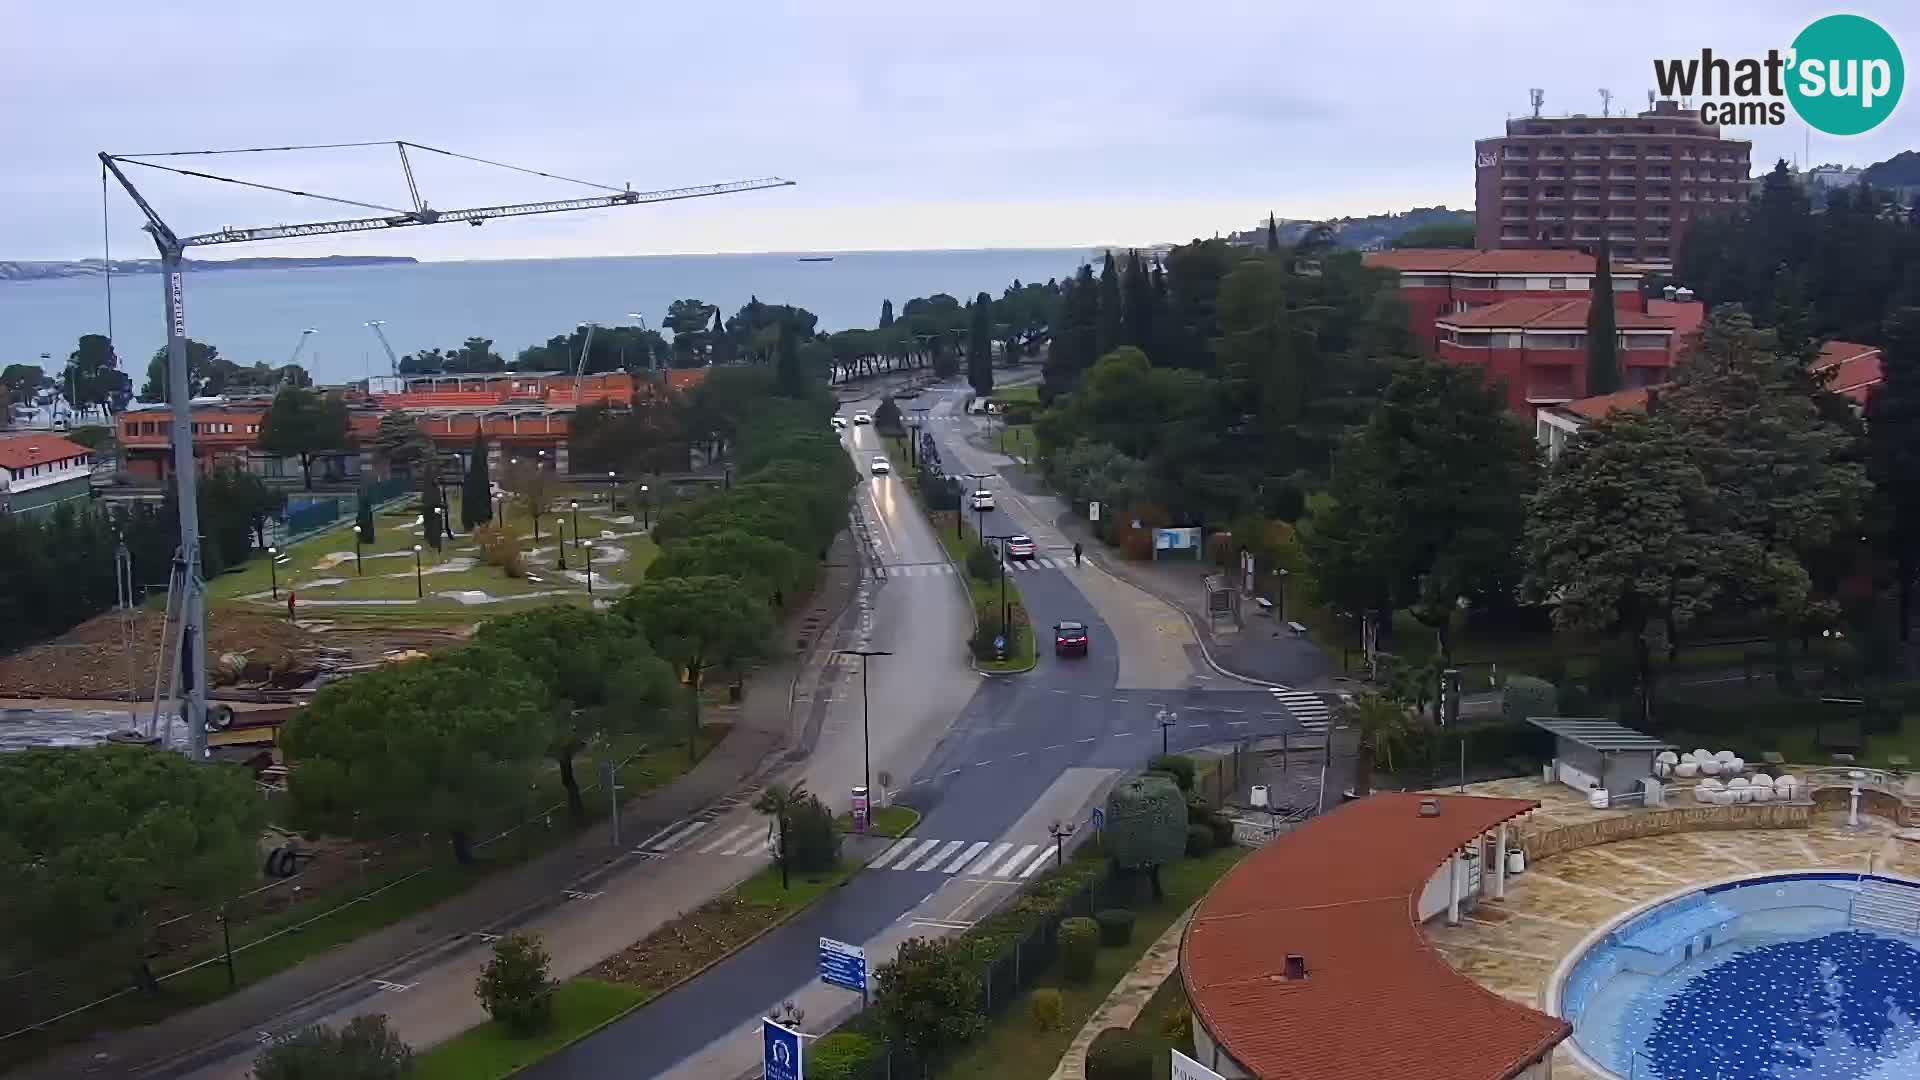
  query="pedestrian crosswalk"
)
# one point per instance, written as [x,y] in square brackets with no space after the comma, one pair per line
[1309,708]
[748,839]
[941,569]
[977,858]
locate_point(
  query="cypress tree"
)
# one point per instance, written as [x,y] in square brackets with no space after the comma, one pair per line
[1139,305]
[789,379]
[1111,317]
[980,345]
[1273,234]
[476,490]
[886,314]
[1603,345]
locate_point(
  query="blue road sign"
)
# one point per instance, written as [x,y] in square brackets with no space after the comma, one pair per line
[781,1060]
[843,965]
[1099,819]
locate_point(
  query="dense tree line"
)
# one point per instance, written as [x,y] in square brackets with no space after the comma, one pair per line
[1215,383]
[57,567]
[1839,272]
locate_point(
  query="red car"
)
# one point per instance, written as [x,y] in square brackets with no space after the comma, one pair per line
[1069,638]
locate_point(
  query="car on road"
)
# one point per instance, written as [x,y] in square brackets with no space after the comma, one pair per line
[839,423]
[1020,547]
[863,418]
[1069,638]
[982,500]
[879,467]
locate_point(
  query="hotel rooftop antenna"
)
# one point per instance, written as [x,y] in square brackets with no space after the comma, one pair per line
[1606,102]
[191,661]
[1539,97]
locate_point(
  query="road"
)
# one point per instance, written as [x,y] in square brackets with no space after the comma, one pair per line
[1022,754]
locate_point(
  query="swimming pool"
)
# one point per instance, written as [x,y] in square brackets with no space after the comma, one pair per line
[1806,976]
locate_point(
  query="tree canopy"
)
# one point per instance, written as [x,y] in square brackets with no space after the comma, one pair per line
[303,422]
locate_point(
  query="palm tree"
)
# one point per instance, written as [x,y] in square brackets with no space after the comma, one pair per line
[777,801]
[1379,721]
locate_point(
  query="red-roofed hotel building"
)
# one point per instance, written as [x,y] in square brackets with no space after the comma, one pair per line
[1559,181]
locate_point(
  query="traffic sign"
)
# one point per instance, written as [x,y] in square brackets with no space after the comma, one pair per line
[1184,1068]
[1099,819]
[781,1059]
[843,965]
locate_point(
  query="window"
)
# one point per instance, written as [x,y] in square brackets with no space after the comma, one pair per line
[1644,341]
[1546,340]
[1474,339]
[1556,283]
[1511,283]
[1504,339]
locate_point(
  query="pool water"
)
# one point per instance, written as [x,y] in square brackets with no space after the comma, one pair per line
[1762,979]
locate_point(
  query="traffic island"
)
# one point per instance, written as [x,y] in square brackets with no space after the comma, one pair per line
[489,1052]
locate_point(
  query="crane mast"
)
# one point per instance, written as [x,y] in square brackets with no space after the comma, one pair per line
[192,657]
[393,361]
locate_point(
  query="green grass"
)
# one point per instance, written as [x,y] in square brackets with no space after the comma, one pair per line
[1153,1021]
[488,1052]
[1023,392]
[764,890]
[986,601]
[1013,1046]
[892,821]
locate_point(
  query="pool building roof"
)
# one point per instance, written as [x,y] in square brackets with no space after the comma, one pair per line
[1595,733]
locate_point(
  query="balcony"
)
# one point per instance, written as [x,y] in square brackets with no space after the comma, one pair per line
[1559,194]
[1657,155]
[1586,155]
[1620,196]
[1515,153]
[1617,215]
[1549,155]
[1586,196]
[1513,213]
[1514,175]
[1658,196]
[1622,174]
[1622,153]
[1549,215]
[1586,234]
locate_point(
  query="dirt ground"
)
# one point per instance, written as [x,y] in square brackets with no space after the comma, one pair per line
[687,944]
[90,660]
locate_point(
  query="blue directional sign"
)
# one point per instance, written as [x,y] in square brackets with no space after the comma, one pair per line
[843,965]
[781,1060]
[1099,820]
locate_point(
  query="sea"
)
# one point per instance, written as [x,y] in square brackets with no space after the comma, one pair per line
[259,315]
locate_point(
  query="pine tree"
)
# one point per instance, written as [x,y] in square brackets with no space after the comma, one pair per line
[1139,305]
[980,345]
[1603,339]
[1273,234]
[790,380]
[476,490]
[1893,454]
[1108,335]
[886,314]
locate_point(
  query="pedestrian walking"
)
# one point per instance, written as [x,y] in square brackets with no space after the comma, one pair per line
[1076,553]
[290,602]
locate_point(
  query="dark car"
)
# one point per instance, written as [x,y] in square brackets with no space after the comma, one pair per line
[1020,548]
[1069,638]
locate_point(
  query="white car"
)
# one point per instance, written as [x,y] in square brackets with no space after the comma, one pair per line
[879,467]
[839,423]
[862,418]
[982,500]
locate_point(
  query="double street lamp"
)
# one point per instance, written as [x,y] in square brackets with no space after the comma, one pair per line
[866,735]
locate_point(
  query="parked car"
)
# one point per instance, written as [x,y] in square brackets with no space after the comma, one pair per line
[1069,638]
[863,418]
[982,500]
[879,467]
[1020,547]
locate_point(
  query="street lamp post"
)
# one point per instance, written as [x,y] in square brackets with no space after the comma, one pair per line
[1060,831]
[419,582]
[561,564]
[979,515]
[574,505]
[1004,627]
[613,491]
[646,509]
[359,538]
[866,748]
[273,575]
[589,554]
[1166,718]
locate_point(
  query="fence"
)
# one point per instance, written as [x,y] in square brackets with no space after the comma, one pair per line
[1009,969]
[311,516]
[307,515]
[36,999]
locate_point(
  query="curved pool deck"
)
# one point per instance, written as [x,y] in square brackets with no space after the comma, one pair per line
[1515,946]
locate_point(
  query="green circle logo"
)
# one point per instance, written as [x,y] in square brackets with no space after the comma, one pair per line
[1846,75]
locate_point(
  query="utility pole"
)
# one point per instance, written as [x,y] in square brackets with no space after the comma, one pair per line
[172,248]
[866,735]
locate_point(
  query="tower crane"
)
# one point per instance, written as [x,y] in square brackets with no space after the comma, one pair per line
[191,657]
[580,367]
[393,361]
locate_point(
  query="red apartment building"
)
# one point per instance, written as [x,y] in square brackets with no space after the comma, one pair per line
[521,414]
[1560,181]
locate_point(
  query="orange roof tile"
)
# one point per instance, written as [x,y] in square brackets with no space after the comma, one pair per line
[1538,313]
[1855,368]
[1419,260]
[19,451]
[1594,408]
[1496,261]
[1377,1000]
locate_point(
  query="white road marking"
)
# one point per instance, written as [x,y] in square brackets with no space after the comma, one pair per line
[980,865]
[726,840]
[1016,860]
[887,856]
[1023,753]
[977,764]
[1088,739]
[964,857]
[1055,746]
[946,849]
[753,839]
[1117,734]
[915,855]
[678,837]
[1039,861]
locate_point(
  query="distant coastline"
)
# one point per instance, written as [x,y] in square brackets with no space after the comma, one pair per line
[39,271]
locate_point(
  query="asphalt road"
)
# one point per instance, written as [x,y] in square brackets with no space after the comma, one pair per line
[1021,753]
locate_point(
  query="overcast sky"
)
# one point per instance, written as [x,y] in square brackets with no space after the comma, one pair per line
[907,125]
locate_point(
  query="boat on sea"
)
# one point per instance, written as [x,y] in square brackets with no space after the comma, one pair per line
[816,258]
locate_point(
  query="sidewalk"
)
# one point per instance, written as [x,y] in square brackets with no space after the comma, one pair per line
[1263,651]
[762,723]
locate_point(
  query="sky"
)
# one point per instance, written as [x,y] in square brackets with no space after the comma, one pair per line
[1051,124]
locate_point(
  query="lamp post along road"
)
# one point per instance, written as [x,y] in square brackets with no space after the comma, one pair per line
[561,561]
[979,515]
[866,736]
[273,575]
[419,583]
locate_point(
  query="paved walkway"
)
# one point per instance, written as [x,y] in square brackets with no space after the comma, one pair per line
[1261,651]
[1131,995]
[762,723]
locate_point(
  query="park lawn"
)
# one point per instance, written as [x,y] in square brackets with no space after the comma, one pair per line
[1023,392]
[1013,1046]
[580,1007]
[392,532]
[890,821]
